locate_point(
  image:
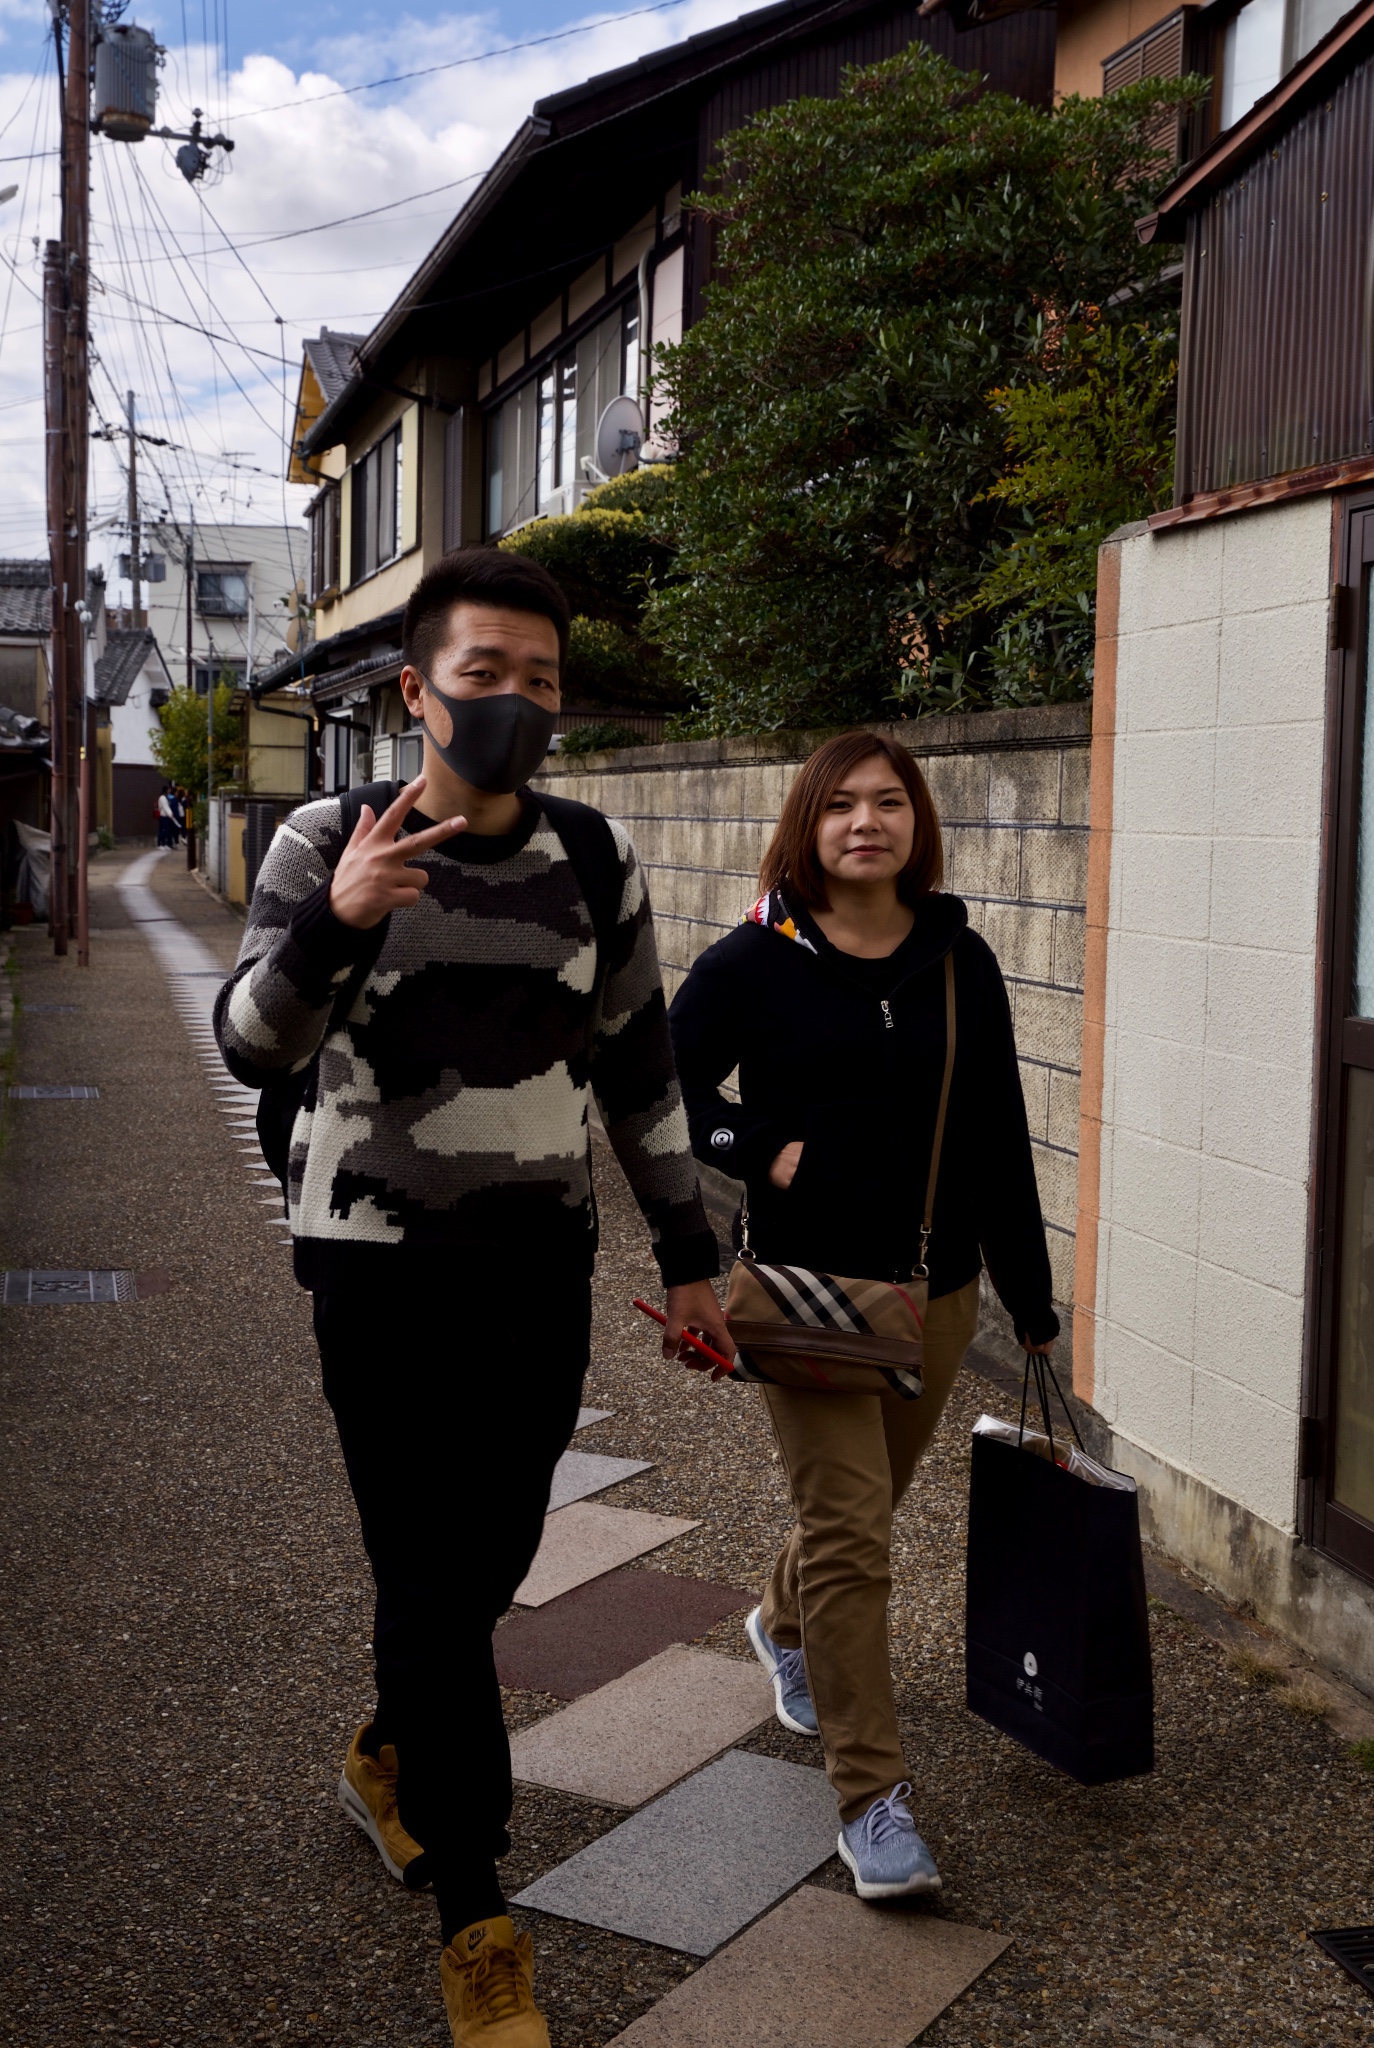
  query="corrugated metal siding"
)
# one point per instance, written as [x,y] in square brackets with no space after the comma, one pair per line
[1277,371]
[1016,55]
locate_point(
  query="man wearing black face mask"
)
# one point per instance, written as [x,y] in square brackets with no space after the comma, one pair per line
[463,998]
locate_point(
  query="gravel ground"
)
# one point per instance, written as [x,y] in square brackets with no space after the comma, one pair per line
[185,1645]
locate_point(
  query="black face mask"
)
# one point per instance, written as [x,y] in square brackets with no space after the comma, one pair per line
[498,742]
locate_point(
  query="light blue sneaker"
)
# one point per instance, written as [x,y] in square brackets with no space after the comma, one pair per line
[787,1669]
[887,1856]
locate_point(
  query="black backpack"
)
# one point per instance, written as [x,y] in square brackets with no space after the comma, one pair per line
[590,846]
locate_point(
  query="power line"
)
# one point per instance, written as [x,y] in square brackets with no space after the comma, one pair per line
[457,63]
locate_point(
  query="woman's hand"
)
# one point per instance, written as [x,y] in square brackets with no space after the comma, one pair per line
[1038,1350]
[695,1308]
[783,1170]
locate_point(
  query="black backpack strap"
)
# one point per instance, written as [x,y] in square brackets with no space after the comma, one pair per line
[381,795]
[590,845]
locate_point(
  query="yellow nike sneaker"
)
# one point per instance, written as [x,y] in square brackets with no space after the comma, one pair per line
[488,1980]
[367,1794]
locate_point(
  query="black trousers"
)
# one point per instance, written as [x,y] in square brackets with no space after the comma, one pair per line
[451,1422]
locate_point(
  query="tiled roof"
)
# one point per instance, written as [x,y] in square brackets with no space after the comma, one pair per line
[126,653]
[25,597]
[331,358]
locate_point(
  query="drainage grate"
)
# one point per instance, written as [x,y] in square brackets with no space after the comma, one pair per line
[53,1091]
[201,973]
[25,1288]
[1352,1948]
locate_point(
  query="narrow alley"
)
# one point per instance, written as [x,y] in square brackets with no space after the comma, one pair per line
[188,1612]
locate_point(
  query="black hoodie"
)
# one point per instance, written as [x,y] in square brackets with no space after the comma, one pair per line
[847,1055]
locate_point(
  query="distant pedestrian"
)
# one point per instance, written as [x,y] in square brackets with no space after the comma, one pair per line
[503,975]
[179,814]
[832,1001]
[166,817]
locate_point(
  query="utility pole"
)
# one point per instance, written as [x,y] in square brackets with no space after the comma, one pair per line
[135,533]
[66,393]
[54,323]
[76,212]
[190,600]
[125,102]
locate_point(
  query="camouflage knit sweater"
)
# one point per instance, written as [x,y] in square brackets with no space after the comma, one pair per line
[450,1113]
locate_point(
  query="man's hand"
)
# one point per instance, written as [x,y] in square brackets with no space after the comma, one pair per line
[372,878]
[695,1308]
[784,1168]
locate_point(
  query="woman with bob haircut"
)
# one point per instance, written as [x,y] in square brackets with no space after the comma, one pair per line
[831,999]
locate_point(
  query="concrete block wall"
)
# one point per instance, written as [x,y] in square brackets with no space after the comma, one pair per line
[1208,1013]
[1011,788]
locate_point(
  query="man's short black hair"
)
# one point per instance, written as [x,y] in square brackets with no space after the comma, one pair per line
[478,576]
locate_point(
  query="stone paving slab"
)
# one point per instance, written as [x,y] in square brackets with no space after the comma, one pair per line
[579,1473]
[633,1738]
[584,1540]
[603,1629]
[699,1864]
[822,1970]
[587,1416]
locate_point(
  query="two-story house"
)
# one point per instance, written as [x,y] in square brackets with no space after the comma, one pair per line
[474,404]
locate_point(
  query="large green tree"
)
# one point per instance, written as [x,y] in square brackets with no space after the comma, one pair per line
[887,265]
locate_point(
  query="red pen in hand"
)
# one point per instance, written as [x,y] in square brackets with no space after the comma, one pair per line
[724,1367]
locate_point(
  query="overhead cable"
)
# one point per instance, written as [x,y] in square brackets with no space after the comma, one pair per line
[457,63]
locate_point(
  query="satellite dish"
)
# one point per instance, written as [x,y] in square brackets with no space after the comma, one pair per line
[619,437]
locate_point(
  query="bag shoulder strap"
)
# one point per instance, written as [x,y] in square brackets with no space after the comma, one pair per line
[381,795]
[591,847]
[937,1142]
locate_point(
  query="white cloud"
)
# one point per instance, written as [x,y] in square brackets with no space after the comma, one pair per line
[160,254]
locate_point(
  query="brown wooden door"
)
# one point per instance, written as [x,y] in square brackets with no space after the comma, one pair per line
[1338,1431]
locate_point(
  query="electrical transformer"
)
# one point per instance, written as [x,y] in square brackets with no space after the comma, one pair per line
[125,82]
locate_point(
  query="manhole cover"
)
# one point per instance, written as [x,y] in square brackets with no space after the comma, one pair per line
[1352,1948]
[50,1009]
[28,1288]
[53,1091]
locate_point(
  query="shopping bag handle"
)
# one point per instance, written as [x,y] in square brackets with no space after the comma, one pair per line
[1038,1362]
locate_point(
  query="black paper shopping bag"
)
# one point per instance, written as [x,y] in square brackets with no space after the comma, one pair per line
[1058,1641]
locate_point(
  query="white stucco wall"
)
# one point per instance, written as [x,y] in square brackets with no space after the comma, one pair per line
[1211,972]
[133,723]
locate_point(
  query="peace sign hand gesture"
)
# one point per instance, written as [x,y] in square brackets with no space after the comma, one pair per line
[373,877]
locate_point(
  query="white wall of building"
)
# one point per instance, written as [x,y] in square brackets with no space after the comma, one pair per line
[277,556]
[133,723]
[1208,1057]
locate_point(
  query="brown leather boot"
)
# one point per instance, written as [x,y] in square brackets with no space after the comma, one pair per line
[367,1794]
[488,1980]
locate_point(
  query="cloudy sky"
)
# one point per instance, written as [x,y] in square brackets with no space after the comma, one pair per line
[245,258]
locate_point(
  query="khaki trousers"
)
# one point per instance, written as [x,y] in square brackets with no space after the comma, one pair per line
[849,1460]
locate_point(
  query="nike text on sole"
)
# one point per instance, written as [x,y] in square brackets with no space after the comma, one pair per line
[358,1813]
[885,1891]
